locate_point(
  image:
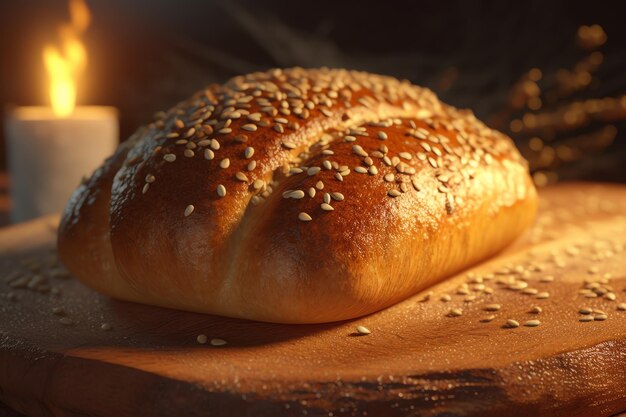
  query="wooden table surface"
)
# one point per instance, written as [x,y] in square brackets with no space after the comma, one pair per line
[417,361]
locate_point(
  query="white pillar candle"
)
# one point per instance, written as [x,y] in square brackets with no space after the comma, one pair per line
[48,156]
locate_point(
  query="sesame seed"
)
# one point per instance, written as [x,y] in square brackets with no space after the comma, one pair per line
[249,152]
[586,318]
[610,296]
[532,323]
[189,209]
[393,193]
[493,307]
[145,188]
[251,165]
[621,306]
[445,298]
[217,342]
[512,323]
[66,321]
[327,207]
[319,185]
[313,170]
[455,312]
[215,145]
[488,319]
[389,177]
[59,311]
[202,339]
[373,170]
[241,177]
[543,295]
[254,117]
[225,130]
[221,190]
[327,165]
[360,170]
[249,127]
[362,330]
[169,157]
[106,327]
[304,217]
[382,135]
[208,154]
[150,178]
[312,192]
[258,184]
[225,163]
[600,317]
[337,196]
[536,310]
[349,138]
[338,176]
[357,149]
[289,145]
[189,153]
[585,310]
[297,194]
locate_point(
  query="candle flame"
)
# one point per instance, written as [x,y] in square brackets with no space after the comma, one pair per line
[68,60]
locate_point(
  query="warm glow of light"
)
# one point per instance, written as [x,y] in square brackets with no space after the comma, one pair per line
[68,60]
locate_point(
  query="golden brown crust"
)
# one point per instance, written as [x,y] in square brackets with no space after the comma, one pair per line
[305,196]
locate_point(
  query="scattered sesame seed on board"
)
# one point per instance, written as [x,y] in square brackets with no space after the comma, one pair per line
[66,321]
[189,209]
[105,327]
[59,311]
[512,323]
[362,330]
[218,342]
[202,339]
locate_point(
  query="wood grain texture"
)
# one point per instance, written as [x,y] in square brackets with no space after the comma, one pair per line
[417,361]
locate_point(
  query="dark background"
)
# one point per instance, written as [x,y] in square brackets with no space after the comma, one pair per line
[144,55]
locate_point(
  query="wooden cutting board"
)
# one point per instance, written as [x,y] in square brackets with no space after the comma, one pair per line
[417,361]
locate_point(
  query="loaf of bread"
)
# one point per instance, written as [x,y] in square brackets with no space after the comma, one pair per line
[297,196]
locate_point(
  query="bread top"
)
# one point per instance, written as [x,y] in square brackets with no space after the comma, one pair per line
[309,173]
